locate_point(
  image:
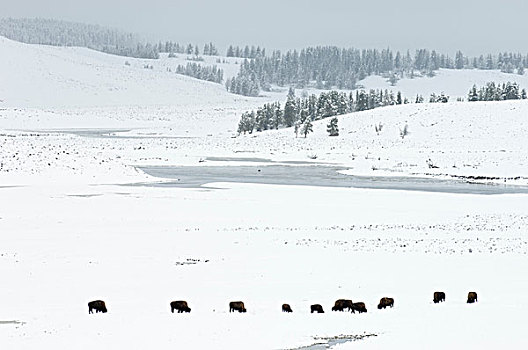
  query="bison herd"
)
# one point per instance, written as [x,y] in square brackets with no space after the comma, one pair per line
[340,305]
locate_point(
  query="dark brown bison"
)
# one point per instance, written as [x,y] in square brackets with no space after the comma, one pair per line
[180,305]
[438,297]
[359,307]
[237,306]
[342,304]
[384,302]
[286,308]
[316,308]
[472,297]
[97,305]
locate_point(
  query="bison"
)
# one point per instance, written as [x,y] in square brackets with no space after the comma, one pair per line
[97,305]
[472,297]
[316,308]
[237,306]
[342,304]
[286,308]
[384,302]
[359,307]
[180,305]
[438,297]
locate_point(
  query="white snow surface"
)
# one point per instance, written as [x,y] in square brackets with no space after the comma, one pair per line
[73,229]
[452,82]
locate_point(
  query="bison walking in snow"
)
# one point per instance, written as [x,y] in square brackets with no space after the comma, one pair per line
[342,304]
[97,305]
[472,297]
[180,305]
[359,307]
[384,302]
[316,308]
[438,297]
[286,308]
[237,306]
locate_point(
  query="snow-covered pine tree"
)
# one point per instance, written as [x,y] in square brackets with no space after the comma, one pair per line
[393,79]
[473,94]
[307,127]
[459,60]
[290,109]
[332,128]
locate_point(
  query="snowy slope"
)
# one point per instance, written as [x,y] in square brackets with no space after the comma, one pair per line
[466,138]
[452,82]
[45,87]
[46,76]
[65,87]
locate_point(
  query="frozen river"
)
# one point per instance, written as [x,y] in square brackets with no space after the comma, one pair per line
[314,175]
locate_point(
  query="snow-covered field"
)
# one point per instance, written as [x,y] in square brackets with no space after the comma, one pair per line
[73,229]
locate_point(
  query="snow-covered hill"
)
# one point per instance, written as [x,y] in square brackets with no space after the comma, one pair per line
[462,138]
[47,87]
[452,82]
[49,76]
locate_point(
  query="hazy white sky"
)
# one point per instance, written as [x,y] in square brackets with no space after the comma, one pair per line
[474,26]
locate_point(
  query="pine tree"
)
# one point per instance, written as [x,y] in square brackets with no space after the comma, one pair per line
[247,123]
[473,95]
[361,101]
[332,128]
[297,126]
[307,127]
[393,79]
[290,110]
[459,60]
[277,116]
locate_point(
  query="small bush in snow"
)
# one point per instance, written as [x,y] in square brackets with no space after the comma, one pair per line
[378,128]
[405,131]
